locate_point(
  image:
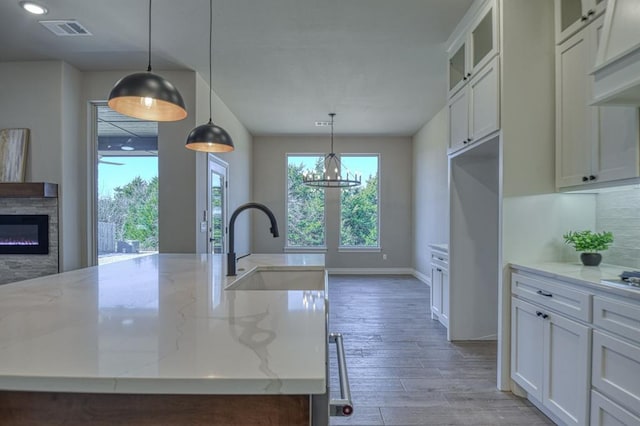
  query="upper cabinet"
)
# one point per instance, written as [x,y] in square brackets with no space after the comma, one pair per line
[474,72]
[573,15]
[475,48]
[594,145]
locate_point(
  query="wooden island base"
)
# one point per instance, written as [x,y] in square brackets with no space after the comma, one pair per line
[54,408]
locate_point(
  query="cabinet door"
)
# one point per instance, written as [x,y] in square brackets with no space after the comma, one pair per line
[605,412]
[457,69]
[526,347]
[483,39]
[459,119]
[484,109]
[574,140]
[615,128]
[573,15]
[616,369]
[436,292]
[444,309]
[566,368]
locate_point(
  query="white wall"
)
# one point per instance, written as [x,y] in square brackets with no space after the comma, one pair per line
[269,187]
[430,190]
[43,96]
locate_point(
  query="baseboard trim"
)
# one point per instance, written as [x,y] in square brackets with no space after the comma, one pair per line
[370,271]
[422,277]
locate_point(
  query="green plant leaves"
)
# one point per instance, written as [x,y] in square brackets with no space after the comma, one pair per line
[587,241]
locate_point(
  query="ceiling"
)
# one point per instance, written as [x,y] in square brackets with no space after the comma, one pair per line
[279,65]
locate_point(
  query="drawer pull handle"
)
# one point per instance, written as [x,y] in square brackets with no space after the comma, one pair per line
[438,269]
[441,259]
[543,315]
[544,293]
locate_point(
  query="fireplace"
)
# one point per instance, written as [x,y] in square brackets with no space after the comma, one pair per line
[24,234]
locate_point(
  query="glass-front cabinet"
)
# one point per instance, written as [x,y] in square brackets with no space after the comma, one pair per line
[572,15]
[474,49]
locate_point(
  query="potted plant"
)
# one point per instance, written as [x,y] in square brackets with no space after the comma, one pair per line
[589,243]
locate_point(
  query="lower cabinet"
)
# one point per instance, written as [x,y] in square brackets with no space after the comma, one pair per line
[576,350]
[440,288]
[605,412]
[549,359]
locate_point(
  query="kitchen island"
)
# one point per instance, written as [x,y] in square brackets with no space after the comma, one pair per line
[158,340]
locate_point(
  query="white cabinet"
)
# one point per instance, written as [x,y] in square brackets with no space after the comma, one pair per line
[605,412]
[572,15]
[593,144]
[575,350]
[440,286]
[474,111]
[475,47]
[549,359]
[616,362]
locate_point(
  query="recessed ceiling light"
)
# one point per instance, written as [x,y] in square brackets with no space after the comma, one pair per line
[34,8]
[127,148]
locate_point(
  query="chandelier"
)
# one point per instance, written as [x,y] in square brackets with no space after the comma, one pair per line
[333,175]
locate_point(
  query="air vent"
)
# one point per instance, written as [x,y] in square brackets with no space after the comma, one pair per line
[66,28]
[323,123]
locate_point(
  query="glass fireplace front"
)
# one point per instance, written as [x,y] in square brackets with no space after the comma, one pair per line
[24,234]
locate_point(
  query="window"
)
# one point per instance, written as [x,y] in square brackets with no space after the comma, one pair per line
[359,206]
[305,205]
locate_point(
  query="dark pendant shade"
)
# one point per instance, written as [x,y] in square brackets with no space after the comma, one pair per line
[147,96]
[209,138]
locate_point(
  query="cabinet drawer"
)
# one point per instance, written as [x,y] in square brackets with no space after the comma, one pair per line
[605,412]
[618,317]
[553,295]
[439,261]
[616,370]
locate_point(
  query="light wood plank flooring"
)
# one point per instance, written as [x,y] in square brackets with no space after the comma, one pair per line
[402,369]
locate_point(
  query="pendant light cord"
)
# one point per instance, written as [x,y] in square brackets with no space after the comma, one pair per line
[149,67]
[332,115]
[210,55]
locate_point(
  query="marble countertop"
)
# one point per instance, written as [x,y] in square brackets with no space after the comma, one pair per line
[442,247]
[163,324]
[589,276]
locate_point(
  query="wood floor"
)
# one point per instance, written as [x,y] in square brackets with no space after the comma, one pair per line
[401,368]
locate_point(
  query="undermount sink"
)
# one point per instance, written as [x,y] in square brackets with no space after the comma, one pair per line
[280,279]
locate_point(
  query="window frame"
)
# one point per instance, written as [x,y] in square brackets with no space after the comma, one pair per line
[289,248]
[355,249]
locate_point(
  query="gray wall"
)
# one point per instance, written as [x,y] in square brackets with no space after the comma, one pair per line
[619,212]
[44,96]
[430,190]
[269,187]
[53,100]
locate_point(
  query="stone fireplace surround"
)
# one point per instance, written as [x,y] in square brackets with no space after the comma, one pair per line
[30,198]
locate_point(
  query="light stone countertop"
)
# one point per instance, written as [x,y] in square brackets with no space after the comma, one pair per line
[589,276]
[441,247]
[163,324]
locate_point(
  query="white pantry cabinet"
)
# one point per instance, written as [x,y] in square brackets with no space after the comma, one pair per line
[475,48]
[474,111]
[440,286]
[593,144]
[572,15]
[549,355]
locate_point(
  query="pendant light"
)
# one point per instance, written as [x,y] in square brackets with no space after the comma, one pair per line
[209,137]
[146,95]
[334,174]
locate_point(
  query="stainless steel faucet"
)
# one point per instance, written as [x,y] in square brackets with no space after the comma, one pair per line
[231,255]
